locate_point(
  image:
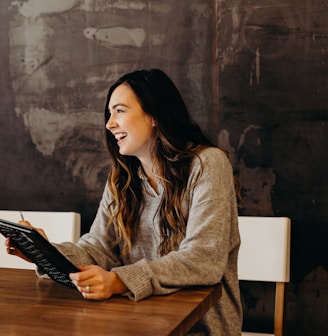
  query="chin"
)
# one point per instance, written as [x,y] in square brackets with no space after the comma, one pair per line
[124,152]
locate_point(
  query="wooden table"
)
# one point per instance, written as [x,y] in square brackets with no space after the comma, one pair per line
[32,306]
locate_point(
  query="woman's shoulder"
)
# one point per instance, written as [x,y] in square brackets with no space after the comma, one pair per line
[211,169]
[214,155]
[209,160]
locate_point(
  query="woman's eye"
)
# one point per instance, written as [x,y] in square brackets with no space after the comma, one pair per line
[119,111]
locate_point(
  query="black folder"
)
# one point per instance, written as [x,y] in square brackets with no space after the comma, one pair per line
[40,251]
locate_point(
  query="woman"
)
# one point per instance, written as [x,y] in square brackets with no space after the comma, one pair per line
[168,215]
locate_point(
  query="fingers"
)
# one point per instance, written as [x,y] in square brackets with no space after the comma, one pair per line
[91,282]
[27,223]
[13,250]
[83,278]
[89,292]
[10,248]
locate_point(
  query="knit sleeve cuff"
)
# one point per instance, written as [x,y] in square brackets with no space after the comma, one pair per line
[138,278]
[141,281]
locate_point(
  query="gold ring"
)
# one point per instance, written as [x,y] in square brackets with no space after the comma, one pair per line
[87,289]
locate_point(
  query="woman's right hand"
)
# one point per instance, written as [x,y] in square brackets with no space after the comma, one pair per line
[13,250]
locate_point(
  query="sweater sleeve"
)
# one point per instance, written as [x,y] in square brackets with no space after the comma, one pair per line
[94,247]
[204,255]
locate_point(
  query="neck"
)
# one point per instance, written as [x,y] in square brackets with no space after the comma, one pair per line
[150,172]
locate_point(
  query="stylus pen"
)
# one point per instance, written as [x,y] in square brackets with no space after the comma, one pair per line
[22,217]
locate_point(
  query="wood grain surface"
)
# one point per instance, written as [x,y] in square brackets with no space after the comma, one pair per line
[32,306]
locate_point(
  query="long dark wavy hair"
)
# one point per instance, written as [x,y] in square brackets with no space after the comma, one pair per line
[178,142]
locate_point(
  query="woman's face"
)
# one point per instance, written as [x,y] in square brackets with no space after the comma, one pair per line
[133,129]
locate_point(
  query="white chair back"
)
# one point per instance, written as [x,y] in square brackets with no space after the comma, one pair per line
[264,255]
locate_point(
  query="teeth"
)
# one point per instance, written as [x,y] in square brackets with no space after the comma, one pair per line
[119,136]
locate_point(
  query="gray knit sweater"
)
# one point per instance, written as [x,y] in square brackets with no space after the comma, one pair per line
[207,255]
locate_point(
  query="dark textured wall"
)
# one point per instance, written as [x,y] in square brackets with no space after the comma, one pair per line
[273,110]
[253,73]
[57,62]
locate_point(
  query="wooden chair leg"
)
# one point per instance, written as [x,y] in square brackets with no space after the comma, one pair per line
[279,308]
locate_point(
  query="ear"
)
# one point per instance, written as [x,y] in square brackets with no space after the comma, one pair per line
[154,123]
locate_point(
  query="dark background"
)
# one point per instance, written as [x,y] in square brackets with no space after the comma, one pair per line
[253,74]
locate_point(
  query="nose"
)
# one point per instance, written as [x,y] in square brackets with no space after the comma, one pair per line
[111,123]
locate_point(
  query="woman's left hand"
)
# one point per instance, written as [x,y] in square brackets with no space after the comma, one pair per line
[13,250]
[97,284]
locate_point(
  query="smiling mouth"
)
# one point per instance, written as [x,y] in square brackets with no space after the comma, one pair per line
[120,136]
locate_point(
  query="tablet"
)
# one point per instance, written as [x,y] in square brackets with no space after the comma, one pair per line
[40,251]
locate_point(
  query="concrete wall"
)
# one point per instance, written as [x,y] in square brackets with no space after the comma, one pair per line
[253,73]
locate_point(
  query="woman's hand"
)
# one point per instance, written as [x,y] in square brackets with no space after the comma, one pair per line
[97,284]
[13,250]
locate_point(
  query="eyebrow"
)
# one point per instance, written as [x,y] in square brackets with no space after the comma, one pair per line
[117,105]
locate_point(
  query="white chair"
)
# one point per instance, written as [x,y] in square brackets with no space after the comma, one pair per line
[59,227]
[264,255]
